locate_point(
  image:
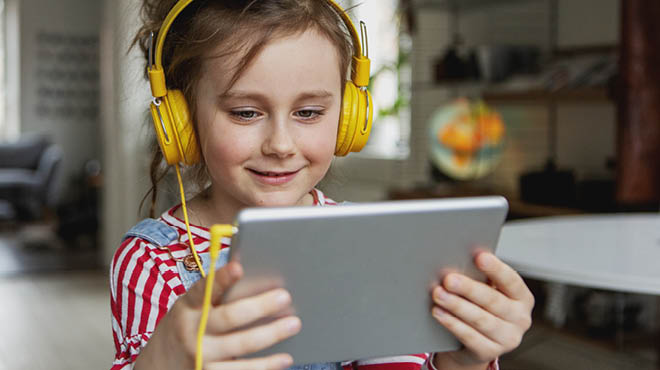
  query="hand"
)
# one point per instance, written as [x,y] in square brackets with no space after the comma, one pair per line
[174,342]
[489,320]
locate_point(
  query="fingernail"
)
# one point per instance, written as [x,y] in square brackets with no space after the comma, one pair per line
[438,312]
[286,361]
[283,298]
[293,325]
[486,260]
[441,294]
[452,282]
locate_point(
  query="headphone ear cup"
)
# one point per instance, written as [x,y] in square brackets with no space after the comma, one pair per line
[364,120]
[347,120]
[162,120]
[355,121]
[183,127]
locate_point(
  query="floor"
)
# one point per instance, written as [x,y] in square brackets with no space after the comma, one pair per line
[545,348]
[59,318]
[34,249]
[55,321]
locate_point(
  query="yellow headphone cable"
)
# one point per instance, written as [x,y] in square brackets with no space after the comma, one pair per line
[217,233]
[185,218]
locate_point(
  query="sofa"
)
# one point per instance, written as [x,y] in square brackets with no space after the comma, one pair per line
[29,175]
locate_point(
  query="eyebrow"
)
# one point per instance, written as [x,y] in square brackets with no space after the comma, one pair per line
[313,94]
[323,94]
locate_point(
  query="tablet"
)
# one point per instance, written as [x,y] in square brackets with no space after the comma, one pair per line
[360,275]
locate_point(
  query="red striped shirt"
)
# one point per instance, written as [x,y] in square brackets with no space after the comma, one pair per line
[145,283]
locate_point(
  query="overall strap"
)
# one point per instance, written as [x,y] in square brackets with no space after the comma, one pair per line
[153,231]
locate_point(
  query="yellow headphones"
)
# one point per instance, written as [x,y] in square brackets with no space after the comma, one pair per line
[172,121]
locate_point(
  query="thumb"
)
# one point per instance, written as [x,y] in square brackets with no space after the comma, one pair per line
[224,278]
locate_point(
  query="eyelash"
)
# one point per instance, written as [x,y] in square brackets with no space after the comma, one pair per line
[238,114]
[315,114]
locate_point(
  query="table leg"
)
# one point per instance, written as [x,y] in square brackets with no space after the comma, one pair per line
[620,306]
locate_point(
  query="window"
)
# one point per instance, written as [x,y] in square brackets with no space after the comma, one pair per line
[389,48]
[3,85]
[9,69]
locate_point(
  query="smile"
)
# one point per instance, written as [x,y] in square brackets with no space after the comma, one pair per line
[273,178]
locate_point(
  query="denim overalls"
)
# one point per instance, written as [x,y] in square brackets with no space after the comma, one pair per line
[161,235]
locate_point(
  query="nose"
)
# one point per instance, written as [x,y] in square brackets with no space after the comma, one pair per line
[279,140]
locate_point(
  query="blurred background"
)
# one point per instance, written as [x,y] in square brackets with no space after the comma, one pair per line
[554,104]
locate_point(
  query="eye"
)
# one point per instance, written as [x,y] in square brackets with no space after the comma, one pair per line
[309,114]
[244,115]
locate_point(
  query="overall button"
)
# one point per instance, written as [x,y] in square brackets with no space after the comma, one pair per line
[189,263]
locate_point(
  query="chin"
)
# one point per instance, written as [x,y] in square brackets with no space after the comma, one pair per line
[279,199]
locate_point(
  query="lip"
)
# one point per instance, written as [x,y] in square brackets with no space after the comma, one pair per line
[273,177]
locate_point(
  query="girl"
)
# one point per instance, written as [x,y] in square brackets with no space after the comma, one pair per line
[264,83]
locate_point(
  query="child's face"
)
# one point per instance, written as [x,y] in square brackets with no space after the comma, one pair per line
[271,138]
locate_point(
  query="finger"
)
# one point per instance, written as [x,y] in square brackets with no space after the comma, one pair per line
[477,292]
[225,277]
[243,342]
[506,279]
[274,362]
[471,314]
[482,347]
[239,313]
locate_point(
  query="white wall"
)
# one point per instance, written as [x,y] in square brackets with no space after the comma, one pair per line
[588,22]
[126,95]
[10,130]
[57,52]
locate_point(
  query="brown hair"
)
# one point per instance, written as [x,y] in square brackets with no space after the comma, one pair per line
[244,27]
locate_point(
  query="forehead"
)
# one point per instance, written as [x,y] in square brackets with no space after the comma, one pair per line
[306,58]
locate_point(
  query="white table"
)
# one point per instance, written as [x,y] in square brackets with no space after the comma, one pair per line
[619,252]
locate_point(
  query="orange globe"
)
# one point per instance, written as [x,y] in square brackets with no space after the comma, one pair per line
[467,139]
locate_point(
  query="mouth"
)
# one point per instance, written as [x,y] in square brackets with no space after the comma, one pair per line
[273,177]
[273,174]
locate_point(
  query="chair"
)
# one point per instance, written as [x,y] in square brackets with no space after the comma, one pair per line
[29,175]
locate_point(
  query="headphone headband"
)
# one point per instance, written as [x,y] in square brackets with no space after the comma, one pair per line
[165,27]
[351,27]
[359,74]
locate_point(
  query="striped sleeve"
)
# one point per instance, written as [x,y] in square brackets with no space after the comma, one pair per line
[407,362]
[140,295]
[493,365]
[422,361]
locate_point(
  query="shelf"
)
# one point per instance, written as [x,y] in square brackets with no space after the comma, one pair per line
[460,4]
[493,94]
[517,207]
[542,96]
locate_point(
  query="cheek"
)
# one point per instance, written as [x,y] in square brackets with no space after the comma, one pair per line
[222,146]
[227,148]
[321,146]
[214,139]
